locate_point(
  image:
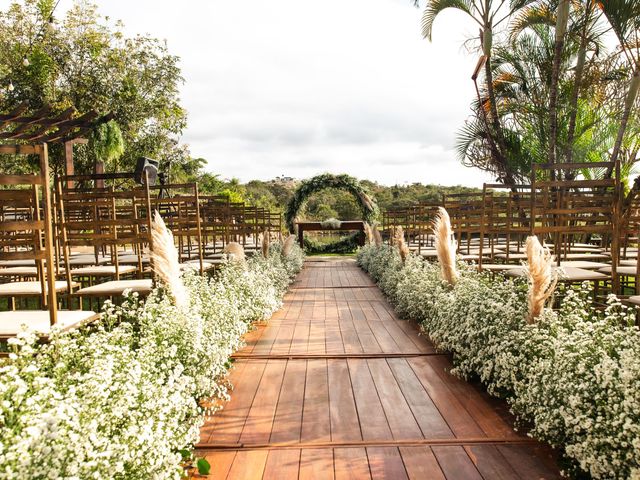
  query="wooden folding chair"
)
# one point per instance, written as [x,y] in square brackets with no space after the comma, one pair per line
[27,237]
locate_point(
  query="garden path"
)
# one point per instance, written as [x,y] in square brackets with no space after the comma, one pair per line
[336,386]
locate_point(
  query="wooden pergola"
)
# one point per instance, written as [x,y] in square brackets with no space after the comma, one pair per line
[30,134]
[18,127]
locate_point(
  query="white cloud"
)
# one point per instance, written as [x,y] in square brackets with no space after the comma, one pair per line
[297,87]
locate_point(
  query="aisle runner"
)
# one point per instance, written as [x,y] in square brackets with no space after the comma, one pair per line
[336,386]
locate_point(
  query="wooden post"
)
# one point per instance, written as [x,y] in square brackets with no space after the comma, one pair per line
[301,235]
[68,162]
[48,233]
[98,169]
[69,168]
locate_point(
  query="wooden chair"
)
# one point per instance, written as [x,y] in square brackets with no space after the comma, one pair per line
[116,223]
[27,236]
[579,215]
[179,206]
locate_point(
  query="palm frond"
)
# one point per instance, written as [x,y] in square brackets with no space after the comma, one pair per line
[435,7]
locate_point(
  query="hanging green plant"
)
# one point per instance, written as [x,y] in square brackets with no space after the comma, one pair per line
[107,143]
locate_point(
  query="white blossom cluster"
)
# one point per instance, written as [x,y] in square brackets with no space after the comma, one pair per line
[120,399]
[573,377]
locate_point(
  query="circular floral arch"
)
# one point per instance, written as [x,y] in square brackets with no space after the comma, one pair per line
[350,184]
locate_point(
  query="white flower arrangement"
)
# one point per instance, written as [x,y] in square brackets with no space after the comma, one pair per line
[122,399]
[573,376]
[331,224]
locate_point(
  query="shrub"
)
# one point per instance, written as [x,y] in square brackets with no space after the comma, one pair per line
[122,398]
[574,376]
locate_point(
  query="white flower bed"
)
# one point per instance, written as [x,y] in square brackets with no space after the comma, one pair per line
[574,376]
[122,399]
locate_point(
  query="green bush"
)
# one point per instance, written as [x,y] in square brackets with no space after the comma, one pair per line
[123,398]
[574,376]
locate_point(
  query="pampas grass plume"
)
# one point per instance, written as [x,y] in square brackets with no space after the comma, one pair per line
[164,256]
[445,246]
[399,241]
[288,245]
[265,243]
[377,238]
[368,235]
[542,277]
[235,251]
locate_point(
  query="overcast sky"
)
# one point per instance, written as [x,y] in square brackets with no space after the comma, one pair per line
[300,87]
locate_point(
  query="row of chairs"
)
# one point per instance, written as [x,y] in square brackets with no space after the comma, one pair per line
[579,218]
[91,241]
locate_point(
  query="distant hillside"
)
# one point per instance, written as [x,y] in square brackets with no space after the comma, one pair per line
[275,194]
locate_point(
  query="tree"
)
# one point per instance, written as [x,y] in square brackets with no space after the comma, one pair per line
[489,15]
[86,62]
[562,19]
[624,18]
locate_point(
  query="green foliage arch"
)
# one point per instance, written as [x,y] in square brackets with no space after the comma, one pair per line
[363,197]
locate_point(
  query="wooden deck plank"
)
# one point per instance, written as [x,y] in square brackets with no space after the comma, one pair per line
[296,416]
[316,422]
[455,463]
[396,409]
[373,422]
[229,422]
[454,413]
[282,464]
[530,462]
[257,428]
[351,464]
[316,464]
[386,463]
[345,426]
[485,416]
[220,463]
[287,423]
[248,465]
[490,462]
[421,463]
[431,422]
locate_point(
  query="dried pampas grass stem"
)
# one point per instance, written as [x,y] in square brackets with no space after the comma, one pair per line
[265,243]
[445,246]
[235,252]
[377,238]
[164,256]
[542,277]
[368,235]
[288,245]
[399,241]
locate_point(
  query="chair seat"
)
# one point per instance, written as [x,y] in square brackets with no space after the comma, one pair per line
[497,267]
[29,289]
[102,271]
[17,263]
[132,259]
[195,265]
[80,260]
[584,264]
[11,323]
[635,300]
[569,274]
[621,270]
[19,272]
[116,288]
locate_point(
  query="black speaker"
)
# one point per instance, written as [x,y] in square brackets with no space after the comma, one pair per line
[146,165]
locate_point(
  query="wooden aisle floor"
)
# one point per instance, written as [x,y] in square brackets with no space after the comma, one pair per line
[336,386]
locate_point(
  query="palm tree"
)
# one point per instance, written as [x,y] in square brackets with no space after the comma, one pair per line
[585,30]
[562,19]
[624,18]
[488,14]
